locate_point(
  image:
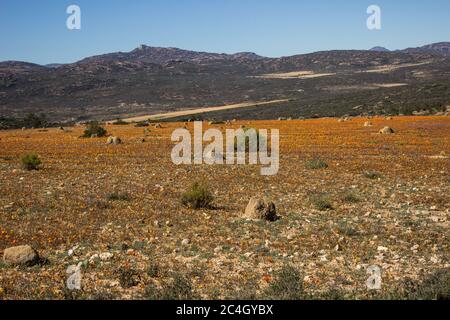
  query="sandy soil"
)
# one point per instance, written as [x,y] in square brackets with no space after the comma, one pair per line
[393,67]
[295,75]
[190,112]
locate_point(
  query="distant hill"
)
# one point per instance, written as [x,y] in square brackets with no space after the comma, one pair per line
[150,80]
[380,49]
[439,48]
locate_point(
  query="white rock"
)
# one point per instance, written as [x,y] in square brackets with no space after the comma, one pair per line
[105,256]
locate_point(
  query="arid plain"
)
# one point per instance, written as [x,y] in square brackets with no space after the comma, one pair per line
[377,200]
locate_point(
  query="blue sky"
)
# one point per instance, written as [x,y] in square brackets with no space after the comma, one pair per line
[35,31]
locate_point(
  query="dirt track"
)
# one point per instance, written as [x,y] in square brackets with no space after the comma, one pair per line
[190,112]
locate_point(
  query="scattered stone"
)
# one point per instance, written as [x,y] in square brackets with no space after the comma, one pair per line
[72,251]
[386,130]
[260,209]
[185,242]
[21,255]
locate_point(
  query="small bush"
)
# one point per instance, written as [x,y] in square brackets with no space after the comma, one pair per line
[373,175]
[153,270]
[345,229]
[316,164]
[287,285]
[30,162]
[142,124]
[321,202]
[350,197]
[128,278]
[197,197]
[117,196]
[434,287]
[93,129]
[179,289]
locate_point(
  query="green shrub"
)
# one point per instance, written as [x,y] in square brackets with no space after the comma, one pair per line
[128,278]
[434,287]
[197,197]
[142,124]
[287,285]
[321,202]
[153,270]
[30,162]
[117,196]
[316,164]
[93,129]
[373,175]
[351,197]
[345,229]
[178,289]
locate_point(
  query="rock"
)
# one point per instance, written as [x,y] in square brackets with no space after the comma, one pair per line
[386,130]
[185,242]
[21,255]
[105,256]
[114,140]
[367,124]
[260,209]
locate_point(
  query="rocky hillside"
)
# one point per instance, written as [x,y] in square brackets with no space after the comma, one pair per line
[150,80]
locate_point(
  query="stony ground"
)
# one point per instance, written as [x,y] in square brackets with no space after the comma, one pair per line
[117,210]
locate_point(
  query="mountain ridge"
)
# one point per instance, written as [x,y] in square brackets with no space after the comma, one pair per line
[150,80]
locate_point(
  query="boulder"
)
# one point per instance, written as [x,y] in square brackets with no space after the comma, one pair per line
[386,130]
[21,255]
[260,209]
[114,140]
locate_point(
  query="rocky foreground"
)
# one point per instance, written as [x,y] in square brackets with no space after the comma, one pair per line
[106,221]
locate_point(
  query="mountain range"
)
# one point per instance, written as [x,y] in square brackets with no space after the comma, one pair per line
[151,80]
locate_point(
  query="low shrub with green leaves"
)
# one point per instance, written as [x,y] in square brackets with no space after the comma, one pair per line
[316,164]
[31,162]
[198,196]
[351,197]
[142,124]
[180,288]
[118,196]
[287,285]
[433,287]
[373,175]
[321,202]
[93,129]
